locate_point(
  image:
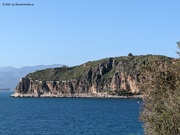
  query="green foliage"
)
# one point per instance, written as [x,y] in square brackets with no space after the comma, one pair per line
[160,83]
[124,93]
[130,54]
[99,73]
[178,44]
[120,92]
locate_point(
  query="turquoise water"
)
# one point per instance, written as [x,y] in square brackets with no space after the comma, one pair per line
[68,116]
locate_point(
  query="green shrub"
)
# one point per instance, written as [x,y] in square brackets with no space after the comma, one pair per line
[160,83]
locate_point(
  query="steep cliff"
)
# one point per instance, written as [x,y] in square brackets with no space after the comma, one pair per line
[103,78]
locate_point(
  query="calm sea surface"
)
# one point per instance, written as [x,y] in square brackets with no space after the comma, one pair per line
[68,116]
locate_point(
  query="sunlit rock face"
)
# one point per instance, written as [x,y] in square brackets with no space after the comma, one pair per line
[89,79]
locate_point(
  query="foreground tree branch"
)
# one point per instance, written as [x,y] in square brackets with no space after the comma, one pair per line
[160,83]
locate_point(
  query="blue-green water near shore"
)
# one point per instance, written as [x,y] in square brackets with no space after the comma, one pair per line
[69,116]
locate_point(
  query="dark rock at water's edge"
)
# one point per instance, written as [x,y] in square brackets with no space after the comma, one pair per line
[109,77]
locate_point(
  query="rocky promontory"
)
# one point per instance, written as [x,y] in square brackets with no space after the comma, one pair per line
[109,77]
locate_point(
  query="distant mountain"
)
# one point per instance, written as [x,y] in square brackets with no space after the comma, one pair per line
[10,76]
[7,69]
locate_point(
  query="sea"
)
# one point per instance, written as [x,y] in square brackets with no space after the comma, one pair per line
[69,116]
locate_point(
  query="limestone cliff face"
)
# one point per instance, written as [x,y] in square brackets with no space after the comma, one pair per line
[111,74]
[125,82]
[55,88]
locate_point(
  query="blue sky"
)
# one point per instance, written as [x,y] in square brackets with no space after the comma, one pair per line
[73,32]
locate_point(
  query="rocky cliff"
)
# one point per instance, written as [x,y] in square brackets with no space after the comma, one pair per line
[10,76]
[103,78]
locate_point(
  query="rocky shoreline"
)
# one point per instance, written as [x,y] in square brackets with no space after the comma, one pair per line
[82,95]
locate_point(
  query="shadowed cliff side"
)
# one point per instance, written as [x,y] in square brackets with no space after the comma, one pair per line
[110,77]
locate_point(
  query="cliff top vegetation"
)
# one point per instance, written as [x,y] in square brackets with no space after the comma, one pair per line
[105,67]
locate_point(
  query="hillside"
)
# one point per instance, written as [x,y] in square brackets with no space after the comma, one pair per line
[111,76]
[10,76]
